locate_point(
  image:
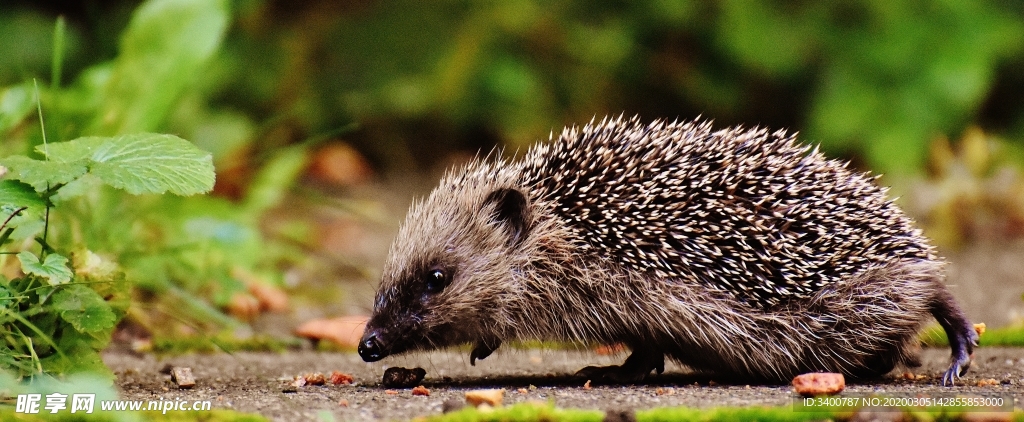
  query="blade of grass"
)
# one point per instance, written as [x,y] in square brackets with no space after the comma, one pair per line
[57,63]
[46,151]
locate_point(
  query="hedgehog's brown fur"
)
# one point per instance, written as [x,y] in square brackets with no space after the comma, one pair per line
[736,251]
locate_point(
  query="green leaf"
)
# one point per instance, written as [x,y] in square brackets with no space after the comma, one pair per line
[54,268]
[15,104]
[19,194]
[13,196]
[84,309]
[42,174]
[163,52]
[140,163]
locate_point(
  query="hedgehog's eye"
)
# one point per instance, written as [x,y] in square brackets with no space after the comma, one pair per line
[435,280]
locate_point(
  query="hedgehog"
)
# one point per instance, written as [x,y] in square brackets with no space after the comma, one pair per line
[737,252]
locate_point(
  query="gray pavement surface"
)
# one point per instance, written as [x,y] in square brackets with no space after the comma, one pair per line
[255,382]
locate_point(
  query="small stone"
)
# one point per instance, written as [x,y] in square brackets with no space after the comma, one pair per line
[315,379]
[183,377]
[420,390]
[817,383]
[492,397]
[586,385]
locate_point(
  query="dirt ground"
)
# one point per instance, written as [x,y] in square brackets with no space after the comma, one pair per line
[987,280]
[255,382]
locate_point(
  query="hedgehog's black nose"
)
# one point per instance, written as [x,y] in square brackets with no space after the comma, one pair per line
[370,347]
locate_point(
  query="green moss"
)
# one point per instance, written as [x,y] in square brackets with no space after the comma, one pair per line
[733,414]
[205,416]
[933,336]
[219,415]
[520,412]
[547,412]
[223,343]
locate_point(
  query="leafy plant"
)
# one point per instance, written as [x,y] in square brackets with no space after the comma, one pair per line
[178,252]
[58,315]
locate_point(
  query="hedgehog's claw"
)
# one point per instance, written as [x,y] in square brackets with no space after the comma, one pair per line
[957,369]
[636,367]
[952,374]
[482,350]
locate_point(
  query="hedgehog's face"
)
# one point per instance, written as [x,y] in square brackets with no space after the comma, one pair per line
[449,271]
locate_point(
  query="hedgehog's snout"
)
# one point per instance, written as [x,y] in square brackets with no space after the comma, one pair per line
[370,347]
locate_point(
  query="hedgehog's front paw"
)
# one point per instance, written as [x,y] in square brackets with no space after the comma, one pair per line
[967,339]
[636,367]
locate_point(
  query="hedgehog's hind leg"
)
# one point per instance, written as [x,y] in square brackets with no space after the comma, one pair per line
[961,334]
[636,367]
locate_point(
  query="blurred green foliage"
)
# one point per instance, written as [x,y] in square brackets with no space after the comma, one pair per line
[869,79]
[178,253]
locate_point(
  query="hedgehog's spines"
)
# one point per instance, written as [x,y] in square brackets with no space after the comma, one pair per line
[697,175]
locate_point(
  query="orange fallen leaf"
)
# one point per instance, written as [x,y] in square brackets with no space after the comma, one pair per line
[271,298]
[343,331]
[341,164]
[243,306]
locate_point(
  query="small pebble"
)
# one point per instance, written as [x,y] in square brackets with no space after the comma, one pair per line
[492,397]
[817,383]
[315,379]
[183,377]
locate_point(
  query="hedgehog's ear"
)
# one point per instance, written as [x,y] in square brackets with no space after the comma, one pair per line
[508,208]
